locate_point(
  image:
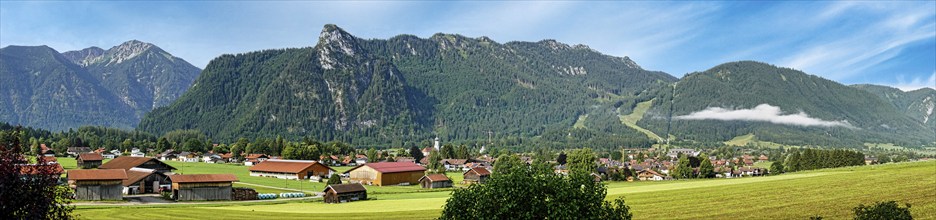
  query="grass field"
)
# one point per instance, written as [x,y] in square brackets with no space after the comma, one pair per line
[829,192]
[631,119]
[744,140]
[580,122]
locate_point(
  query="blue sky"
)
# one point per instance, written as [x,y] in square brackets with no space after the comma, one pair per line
[889,43]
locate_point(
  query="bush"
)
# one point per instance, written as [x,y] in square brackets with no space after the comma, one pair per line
[882,210]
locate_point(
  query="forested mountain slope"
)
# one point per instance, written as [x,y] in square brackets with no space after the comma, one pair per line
[408,88]
[801,109]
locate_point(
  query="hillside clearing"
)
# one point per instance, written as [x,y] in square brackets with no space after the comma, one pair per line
[631,119]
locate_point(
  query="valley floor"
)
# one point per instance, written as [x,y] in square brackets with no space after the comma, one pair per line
[831,193]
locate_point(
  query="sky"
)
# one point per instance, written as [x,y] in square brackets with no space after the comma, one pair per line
[886,43]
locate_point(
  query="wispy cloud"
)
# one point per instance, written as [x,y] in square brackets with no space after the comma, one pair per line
[915,83]
[761,113]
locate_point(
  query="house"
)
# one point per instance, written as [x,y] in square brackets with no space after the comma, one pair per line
[476,175]
[454,164]
[386,173]
[292,169]
[649,175]
[426,151]
[674,153]
[97,184]
[254,159]
[344,193]
[142,180]
[199,187]
[186,156]
[433,181]
[126,163]
[47,160]
[360,159]
[108,156]
[168,155]
[762,158]
[212,158]
[74,151]
[46,151]
[137,153]
[89,160]
[228,157]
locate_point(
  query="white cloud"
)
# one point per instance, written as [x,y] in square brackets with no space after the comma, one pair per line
[916,83]
[761,113]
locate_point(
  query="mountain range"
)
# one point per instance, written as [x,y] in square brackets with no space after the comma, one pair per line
[115,87]
[379,92]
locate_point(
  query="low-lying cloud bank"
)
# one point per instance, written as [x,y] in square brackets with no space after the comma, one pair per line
[761,113]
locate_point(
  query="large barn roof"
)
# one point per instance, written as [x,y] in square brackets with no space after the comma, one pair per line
[345,188]
[479,170]
[136,174]
[285,166]
[105,174]
[203,178]
[129,162]
[391,167]
[90,156]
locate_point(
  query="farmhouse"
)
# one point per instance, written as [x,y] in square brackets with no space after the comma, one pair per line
[386,173]
[74,151]
[97,184]
[344,193]
[291,169]
[476,175]
[649,175]
[125,163]
[142,180]
[202,186]
[46,151]
[254,159]
[89,160]
[433,181]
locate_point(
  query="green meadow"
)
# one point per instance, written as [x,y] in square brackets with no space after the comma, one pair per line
[830,193]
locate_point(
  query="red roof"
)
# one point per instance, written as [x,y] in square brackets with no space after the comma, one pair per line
[285,166]
[256,156]
[203,178]
[480,171]
[129,162]
[435,177]
[90,156]
[391,167]
[106,174]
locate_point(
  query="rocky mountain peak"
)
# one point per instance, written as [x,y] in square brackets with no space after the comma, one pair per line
[128,50]
[85,56]
[333,42]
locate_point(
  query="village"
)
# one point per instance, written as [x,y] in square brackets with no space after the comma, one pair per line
[103,175]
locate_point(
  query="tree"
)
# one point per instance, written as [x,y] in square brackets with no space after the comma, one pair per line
[334,179]
[561,159]
[236,151]
[372,155]
[534,195]
[162,145]
[462,152]
[435,163]
[416,153]
[706,169]
[193,145]
[683,170]
[617,155]
[507,162]
[776,168]
[883,210]
[33,196]
[582,160]
[447,151]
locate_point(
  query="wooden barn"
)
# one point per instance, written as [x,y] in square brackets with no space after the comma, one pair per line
[386,173]
[97,184]
[291,169]
[202,187]
[344,193]
[476,175]
[89,160]
[433,181]
[141,181]
[126,163]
